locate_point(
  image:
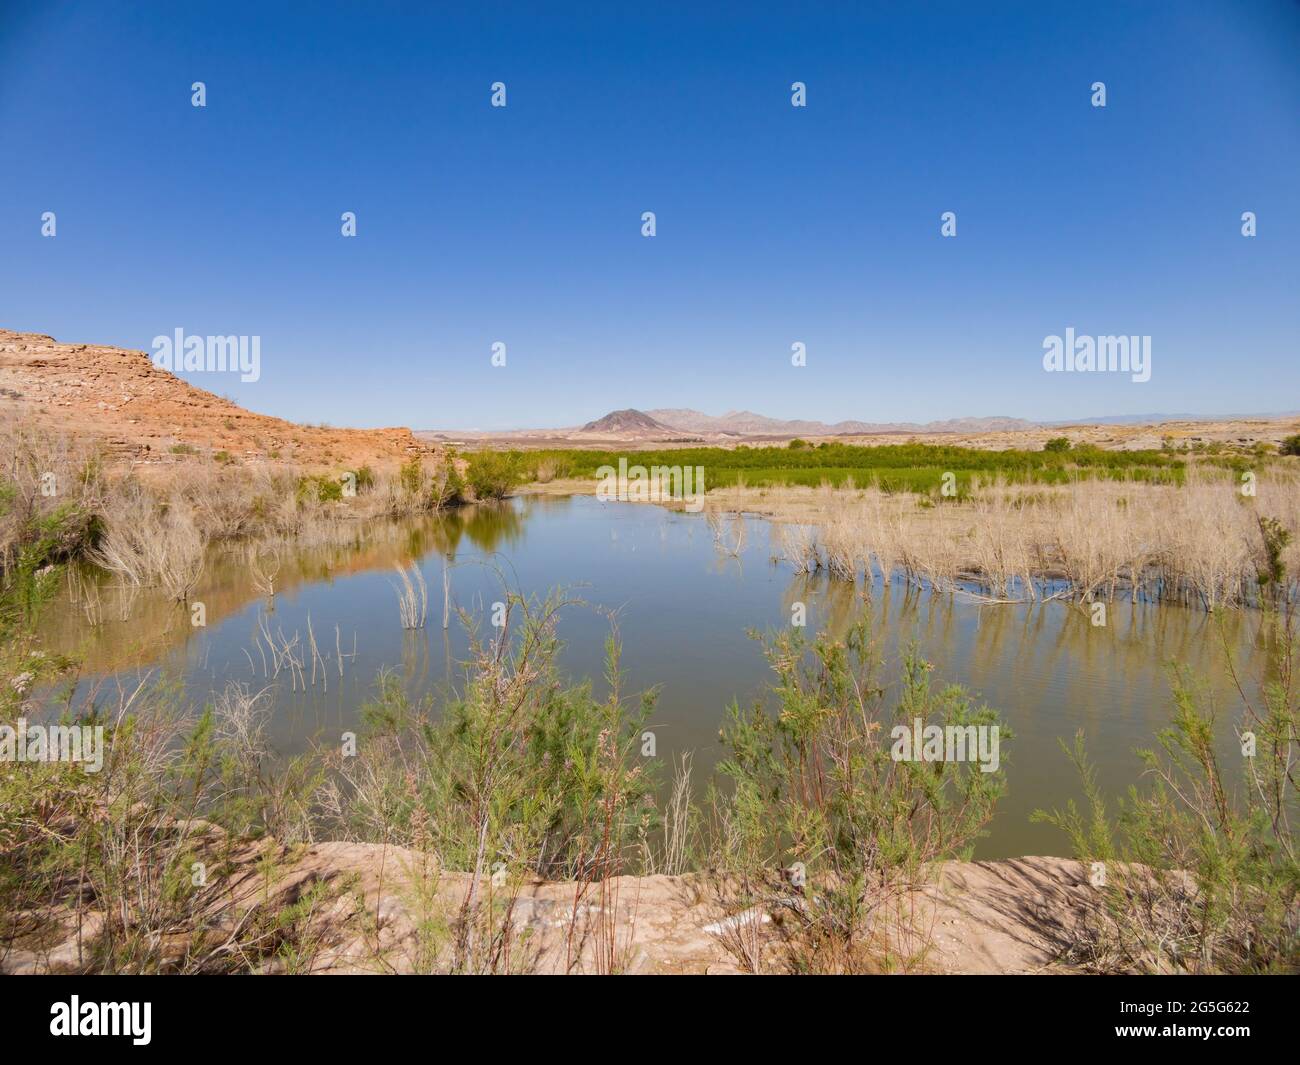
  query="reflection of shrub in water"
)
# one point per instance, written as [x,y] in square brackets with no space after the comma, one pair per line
[488,526]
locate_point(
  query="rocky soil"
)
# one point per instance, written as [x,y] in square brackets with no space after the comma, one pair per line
[146,415]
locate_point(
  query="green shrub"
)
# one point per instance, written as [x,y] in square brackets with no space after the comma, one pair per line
[411,476]
[494,474]
[817,784]
[1290,446]
[521,773]
[1058,443]
[895,467]
[320,487]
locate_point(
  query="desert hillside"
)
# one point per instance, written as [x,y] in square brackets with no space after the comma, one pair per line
[147,415]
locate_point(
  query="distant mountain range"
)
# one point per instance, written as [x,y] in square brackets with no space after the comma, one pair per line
[682,425]
[747,423]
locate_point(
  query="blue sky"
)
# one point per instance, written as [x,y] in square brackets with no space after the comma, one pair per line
[775,224]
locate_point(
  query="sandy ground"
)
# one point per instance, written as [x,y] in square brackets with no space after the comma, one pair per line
[1011,916]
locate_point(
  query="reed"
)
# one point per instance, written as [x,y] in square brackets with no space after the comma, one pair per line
[1203,543]
[412,597]
[728,537]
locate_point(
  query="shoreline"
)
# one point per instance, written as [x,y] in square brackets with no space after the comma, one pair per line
[1004,916]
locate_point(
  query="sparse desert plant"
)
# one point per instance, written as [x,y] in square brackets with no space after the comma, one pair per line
[824,826]
[126,862]
[681,828]
[411,477]
[51,493]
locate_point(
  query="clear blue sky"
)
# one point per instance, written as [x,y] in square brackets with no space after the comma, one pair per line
[775,224]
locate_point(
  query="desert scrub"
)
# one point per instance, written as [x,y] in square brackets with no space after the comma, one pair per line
[51,493]
[322,488]
[134,861]
[229,499]
[514,769]
[1200,864]
[109,856]
[49,502]
[418,489]
[816,791]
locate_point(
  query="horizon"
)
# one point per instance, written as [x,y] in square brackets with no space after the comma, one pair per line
[1147,417]
[775,225]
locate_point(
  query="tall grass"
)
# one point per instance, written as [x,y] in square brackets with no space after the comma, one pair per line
[1202,544]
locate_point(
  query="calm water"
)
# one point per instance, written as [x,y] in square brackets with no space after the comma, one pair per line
[683,613]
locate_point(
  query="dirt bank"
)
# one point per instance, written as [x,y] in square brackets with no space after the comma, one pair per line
[386,909]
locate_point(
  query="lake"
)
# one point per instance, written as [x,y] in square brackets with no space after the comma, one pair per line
[683,612]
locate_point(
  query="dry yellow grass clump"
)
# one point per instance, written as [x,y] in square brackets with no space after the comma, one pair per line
[1203,543]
